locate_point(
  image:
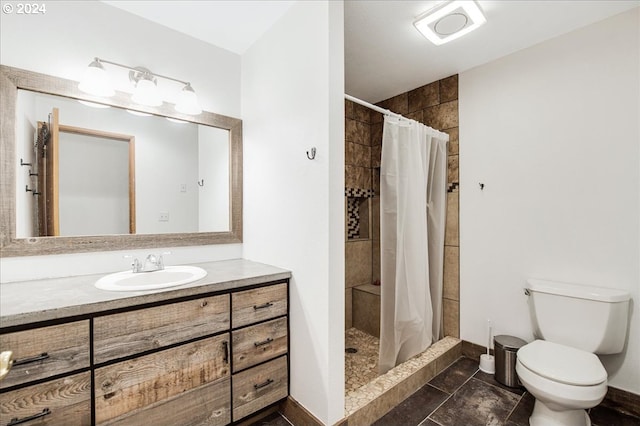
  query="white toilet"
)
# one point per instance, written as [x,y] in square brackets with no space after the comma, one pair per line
[574,322]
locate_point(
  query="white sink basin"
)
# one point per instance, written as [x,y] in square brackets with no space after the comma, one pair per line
[170,276]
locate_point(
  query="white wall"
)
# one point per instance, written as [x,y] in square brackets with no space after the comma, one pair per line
[292,100]
[63,42]
[552,131]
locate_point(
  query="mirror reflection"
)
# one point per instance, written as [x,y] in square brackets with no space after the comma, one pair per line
[101,171]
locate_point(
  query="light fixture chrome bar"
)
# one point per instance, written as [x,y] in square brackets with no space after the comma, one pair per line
[138,70]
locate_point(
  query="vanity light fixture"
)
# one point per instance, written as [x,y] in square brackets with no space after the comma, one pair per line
[96,82]
[450,20]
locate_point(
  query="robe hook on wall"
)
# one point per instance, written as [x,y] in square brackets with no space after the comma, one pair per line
[311,155]
[481,186]
[201,182]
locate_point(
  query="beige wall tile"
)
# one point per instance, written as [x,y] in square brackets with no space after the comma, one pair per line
[357,155]
[375,117]
[348,323]
[376,155]
[375,218]
[376,134]
[357,132]
[365,217]
[452,169]
[454,135]
[416,115]
[398,104]
[357,263]
[366,312]
[451,286]
[375,261]
[451,234]
[443,116]
[449,88]
[348,109]
[357,177]
[451,314]
[361,113]
[423,97]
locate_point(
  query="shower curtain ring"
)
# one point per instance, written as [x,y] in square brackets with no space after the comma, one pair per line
[312,156]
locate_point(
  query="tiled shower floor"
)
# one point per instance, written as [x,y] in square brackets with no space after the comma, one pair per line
[360,367]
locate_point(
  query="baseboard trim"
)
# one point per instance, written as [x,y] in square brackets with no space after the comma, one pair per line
[296,414]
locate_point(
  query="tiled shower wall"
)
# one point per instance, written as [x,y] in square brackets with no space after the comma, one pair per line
[436,105]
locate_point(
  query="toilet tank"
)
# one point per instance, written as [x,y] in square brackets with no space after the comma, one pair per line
[594,319]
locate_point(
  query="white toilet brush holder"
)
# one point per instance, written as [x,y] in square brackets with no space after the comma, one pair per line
[487,361]
[487,364]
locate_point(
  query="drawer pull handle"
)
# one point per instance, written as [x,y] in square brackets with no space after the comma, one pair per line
[263,306]
[264,342]
[17,421]
[225,349]
[263,384]
[40,357]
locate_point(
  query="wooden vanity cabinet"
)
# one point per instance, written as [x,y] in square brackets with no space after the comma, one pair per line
[202,360]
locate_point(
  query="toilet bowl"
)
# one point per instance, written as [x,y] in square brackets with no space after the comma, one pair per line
[564,381]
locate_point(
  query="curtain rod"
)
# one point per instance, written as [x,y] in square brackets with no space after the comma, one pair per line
[391,113]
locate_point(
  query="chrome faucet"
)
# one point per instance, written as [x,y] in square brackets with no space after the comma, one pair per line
[152,263]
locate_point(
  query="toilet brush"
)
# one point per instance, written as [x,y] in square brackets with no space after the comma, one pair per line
[487,361]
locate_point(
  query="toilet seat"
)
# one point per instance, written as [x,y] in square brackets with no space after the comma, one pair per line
[562,364]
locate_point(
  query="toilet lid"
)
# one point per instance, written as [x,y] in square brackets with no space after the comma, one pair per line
[562,363]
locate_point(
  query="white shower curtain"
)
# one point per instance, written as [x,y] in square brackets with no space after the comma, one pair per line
[412,218]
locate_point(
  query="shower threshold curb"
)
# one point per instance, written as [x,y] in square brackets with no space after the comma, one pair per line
[370,402]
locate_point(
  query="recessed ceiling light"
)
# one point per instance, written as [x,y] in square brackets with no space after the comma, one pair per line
[450,20]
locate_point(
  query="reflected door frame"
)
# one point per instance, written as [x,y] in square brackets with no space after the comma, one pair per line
[49,210]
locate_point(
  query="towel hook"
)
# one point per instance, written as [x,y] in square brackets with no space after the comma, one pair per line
[312,156]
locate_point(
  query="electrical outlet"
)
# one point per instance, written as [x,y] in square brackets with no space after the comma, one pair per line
[163,217]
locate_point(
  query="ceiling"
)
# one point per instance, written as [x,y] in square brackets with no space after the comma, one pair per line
[384,54]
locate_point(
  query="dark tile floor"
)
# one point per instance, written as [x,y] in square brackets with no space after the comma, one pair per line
[462,395]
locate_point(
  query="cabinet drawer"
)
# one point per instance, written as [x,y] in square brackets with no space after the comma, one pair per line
[128,333]
[208,405]
[62,402]
[126,387]
[46,351]
[258,343]
[258,304]
[258,387]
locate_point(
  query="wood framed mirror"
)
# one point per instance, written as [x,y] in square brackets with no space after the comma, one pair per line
[15,80]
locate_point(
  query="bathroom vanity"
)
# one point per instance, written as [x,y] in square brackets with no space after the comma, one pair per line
[211,352]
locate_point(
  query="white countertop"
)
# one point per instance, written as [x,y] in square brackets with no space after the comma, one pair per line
[43,300]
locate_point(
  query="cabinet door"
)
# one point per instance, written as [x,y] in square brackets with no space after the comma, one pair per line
[257,387]
[46,351]
[60,402]
[129,333]
[166,386]
[259,304]
[257,343]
